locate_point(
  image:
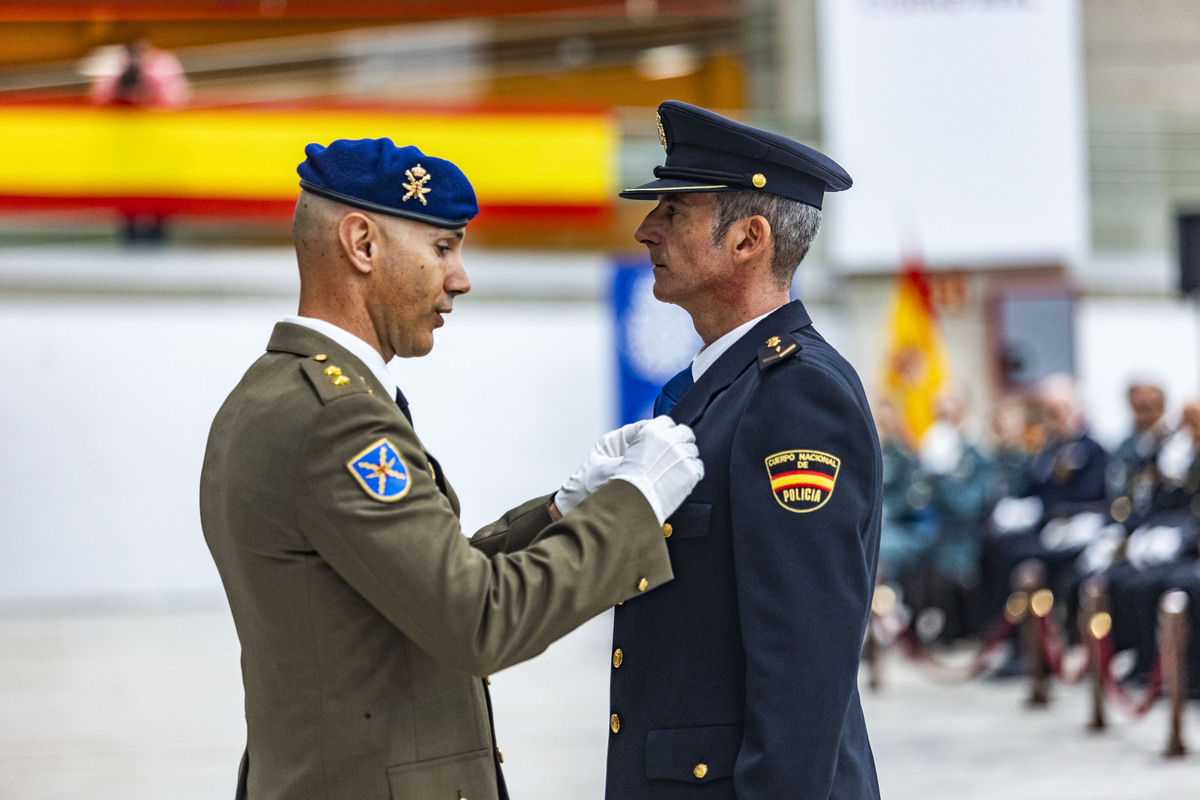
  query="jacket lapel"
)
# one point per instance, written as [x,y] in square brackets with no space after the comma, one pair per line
[737,359]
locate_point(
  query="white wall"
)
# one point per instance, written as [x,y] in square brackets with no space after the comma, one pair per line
[109,396]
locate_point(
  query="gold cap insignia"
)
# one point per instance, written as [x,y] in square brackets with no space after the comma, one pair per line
[802,480]
[759,180]
[662,134]
[418,176]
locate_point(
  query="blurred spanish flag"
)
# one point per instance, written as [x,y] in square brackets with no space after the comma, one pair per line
[915,365]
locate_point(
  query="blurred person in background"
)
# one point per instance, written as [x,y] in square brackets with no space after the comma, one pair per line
[1061,510]
[1070,471]
[367,621]
[739,678]
[1132,470]
[1152,546]
[961,480]
[1010,446]
[909,526]
[138,74]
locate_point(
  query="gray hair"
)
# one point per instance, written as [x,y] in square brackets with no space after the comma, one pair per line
[794,225]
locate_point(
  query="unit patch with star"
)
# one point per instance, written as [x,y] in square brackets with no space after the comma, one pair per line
[802,480]
[381,472]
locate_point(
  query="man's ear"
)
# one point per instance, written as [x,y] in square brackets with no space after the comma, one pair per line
[359,238]
[750,238]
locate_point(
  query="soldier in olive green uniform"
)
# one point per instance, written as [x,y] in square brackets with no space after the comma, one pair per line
[366,619]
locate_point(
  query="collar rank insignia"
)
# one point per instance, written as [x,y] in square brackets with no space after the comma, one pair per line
[418,176]
[802,480]
[380,471]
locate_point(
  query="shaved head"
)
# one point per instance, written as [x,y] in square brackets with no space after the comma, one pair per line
[315,230]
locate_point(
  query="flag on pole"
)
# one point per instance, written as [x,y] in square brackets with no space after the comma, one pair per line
[915,365]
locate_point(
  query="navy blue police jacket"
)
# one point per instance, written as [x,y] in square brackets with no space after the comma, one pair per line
[739,678]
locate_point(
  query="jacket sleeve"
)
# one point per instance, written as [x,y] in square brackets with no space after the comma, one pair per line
[804,566]
[516,530]
[408,558]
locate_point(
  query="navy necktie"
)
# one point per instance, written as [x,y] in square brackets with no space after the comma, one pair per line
[674,390]
[402,401]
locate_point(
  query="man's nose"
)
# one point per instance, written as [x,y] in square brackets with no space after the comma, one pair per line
[457,281]
[647,232]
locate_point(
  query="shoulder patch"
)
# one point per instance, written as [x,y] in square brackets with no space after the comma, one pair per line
[802,480]
[777,348]
[381,472]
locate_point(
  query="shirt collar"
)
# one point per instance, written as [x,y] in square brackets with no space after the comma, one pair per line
[709,355]
[364,352]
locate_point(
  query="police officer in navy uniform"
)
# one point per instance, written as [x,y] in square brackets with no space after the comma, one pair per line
[739,678]
[366,620]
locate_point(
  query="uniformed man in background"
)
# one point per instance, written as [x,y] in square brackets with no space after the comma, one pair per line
[367,621]
[738,678]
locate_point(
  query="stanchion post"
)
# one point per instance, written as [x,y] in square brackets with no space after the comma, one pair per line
[1030,577]
[883,603]
[1172,646]
[1095,625]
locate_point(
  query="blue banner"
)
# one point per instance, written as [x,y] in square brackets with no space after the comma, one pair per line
[654,339]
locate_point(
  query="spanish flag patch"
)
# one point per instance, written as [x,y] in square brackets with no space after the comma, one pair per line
[802,480]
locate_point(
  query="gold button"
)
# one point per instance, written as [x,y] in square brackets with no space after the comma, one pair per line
[320,357]
[618,657]
[642,584]
[499,755]
[614,722]
[667,529]
[701,770]
[759,180]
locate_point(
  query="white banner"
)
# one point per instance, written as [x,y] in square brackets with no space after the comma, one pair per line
[962,124]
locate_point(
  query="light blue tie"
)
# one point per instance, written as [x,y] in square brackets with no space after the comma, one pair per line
[673,391]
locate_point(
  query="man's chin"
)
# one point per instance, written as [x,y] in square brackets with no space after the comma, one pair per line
[416,349]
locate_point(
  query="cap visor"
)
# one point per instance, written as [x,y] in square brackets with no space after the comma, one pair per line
[651,190]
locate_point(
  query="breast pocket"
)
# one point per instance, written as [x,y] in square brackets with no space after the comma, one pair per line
[693,755]
[465,775]
[690,520]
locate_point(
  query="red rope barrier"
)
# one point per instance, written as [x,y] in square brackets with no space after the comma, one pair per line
[911,648]
[1115,690]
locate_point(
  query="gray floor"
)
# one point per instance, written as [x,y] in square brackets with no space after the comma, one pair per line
[144,703]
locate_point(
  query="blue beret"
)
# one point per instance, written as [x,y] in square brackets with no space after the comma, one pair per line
[376,175]
[710,153]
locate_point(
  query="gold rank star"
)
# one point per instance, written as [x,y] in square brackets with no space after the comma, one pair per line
[417,178]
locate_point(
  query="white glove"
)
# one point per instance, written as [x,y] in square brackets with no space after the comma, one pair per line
[664,463]
[599,467]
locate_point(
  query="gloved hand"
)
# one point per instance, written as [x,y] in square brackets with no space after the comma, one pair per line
[664,463]
[599,467]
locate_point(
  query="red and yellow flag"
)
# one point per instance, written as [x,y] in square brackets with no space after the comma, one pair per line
[915,365]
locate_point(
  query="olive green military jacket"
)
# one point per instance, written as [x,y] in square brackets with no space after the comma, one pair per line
[365,616]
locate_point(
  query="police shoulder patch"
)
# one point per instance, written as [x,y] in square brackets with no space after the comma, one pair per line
[381,472]
[802,480]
